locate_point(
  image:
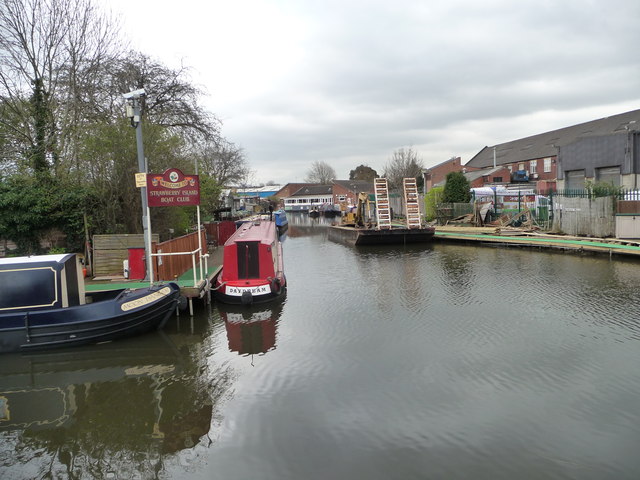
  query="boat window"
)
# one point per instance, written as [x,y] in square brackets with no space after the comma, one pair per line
[248,261]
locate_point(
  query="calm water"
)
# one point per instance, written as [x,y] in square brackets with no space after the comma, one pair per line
[442,361]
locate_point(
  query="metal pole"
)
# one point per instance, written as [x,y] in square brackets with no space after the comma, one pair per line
[142,167]
[199,243]
[199,234]
[148,248]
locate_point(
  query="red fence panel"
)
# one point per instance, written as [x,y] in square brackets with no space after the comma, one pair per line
[220,231]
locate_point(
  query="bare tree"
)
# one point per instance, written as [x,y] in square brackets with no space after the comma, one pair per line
[44,45]
[171,100]
[404,163]
[223,161]
[320,172]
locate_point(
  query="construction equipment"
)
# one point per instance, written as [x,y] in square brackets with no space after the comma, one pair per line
[362,212]
[411,204]
[383,209]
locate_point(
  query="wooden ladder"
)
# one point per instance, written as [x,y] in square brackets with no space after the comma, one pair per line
[411,203]
[383,209]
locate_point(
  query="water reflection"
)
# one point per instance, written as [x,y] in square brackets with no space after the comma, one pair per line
[302,225]
[251,330]
[83,413]
[442,361]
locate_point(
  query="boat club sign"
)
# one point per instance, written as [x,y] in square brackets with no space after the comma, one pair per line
[172,188]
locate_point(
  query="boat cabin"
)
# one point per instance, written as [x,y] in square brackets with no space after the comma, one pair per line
[250,253]
[40,282]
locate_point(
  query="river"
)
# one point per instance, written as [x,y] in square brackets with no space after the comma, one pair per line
[436,361]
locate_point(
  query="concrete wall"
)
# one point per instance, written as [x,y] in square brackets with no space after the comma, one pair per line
[583,216]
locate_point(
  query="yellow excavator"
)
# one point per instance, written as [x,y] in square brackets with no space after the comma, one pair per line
[363,212]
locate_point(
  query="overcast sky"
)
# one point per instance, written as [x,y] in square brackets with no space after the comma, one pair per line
[349,82]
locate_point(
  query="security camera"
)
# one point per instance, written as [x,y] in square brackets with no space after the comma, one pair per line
[135,94]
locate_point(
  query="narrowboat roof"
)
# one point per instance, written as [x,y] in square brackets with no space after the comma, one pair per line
[260,231]
[59,258]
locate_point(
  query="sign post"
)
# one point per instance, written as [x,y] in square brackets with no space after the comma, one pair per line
[172,189]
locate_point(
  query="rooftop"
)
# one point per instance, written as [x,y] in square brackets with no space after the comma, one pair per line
[546,144]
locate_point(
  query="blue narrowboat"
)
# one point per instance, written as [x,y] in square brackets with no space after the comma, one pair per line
[43,305]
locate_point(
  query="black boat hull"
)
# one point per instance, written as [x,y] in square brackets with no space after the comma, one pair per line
[116,315]
[369,236]
[253,300]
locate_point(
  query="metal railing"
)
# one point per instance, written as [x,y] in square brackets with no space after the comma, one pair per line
[173,257]
[202,261]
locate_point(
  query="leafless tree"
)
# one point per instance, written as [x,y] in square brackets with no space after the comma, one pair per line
[171,99]
[320,172]
[404,163]
[46,46]
[223,161]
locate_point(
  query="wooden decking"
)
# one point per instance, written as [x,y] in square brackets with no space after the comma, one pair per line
[184,281]
[523,238]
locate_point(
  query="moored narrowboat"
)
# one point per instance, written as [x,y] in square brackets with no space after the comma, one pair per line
[252,268]
[280,217]
[43,305]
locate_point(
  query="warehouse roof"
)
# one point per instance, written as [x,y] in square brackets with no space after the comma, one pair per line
[546,144]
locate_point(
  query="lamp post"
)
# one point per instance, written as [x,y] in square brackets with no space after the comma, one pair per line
[133,109]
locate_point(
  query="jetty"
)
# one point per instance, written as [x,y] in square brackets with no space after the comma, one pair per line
[514,237]
[177,261]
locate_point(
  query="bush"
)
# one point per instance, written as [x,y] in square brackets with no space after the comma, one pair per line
[456,189]
[431,201]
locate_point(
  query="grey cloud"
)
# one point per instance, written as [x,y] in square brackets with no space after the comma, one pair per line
[375,76]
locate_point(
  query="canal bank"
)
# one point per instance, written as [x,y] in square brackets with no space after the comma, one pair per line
[536,240]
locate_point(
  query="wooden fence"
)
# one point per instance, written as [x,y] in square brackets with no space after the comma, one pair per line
[219,232]
[109,251]
[170,267]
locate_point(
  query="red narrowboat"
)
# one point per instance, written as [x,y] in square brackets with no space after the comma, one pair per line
[252,266]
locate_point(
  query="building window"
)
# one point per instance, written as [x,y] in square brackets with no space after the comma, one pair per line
[533,166]
[509,168]
[497,179]
[521,166]
[547,164]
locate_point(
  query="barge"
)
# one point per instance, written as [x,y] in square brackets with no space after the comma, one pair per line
[353,235]
[253,267]
[370,223]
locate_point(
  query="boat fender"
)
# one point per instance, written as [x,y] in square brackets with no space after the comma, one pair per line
[274,283]
[247,298]
[182,303]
